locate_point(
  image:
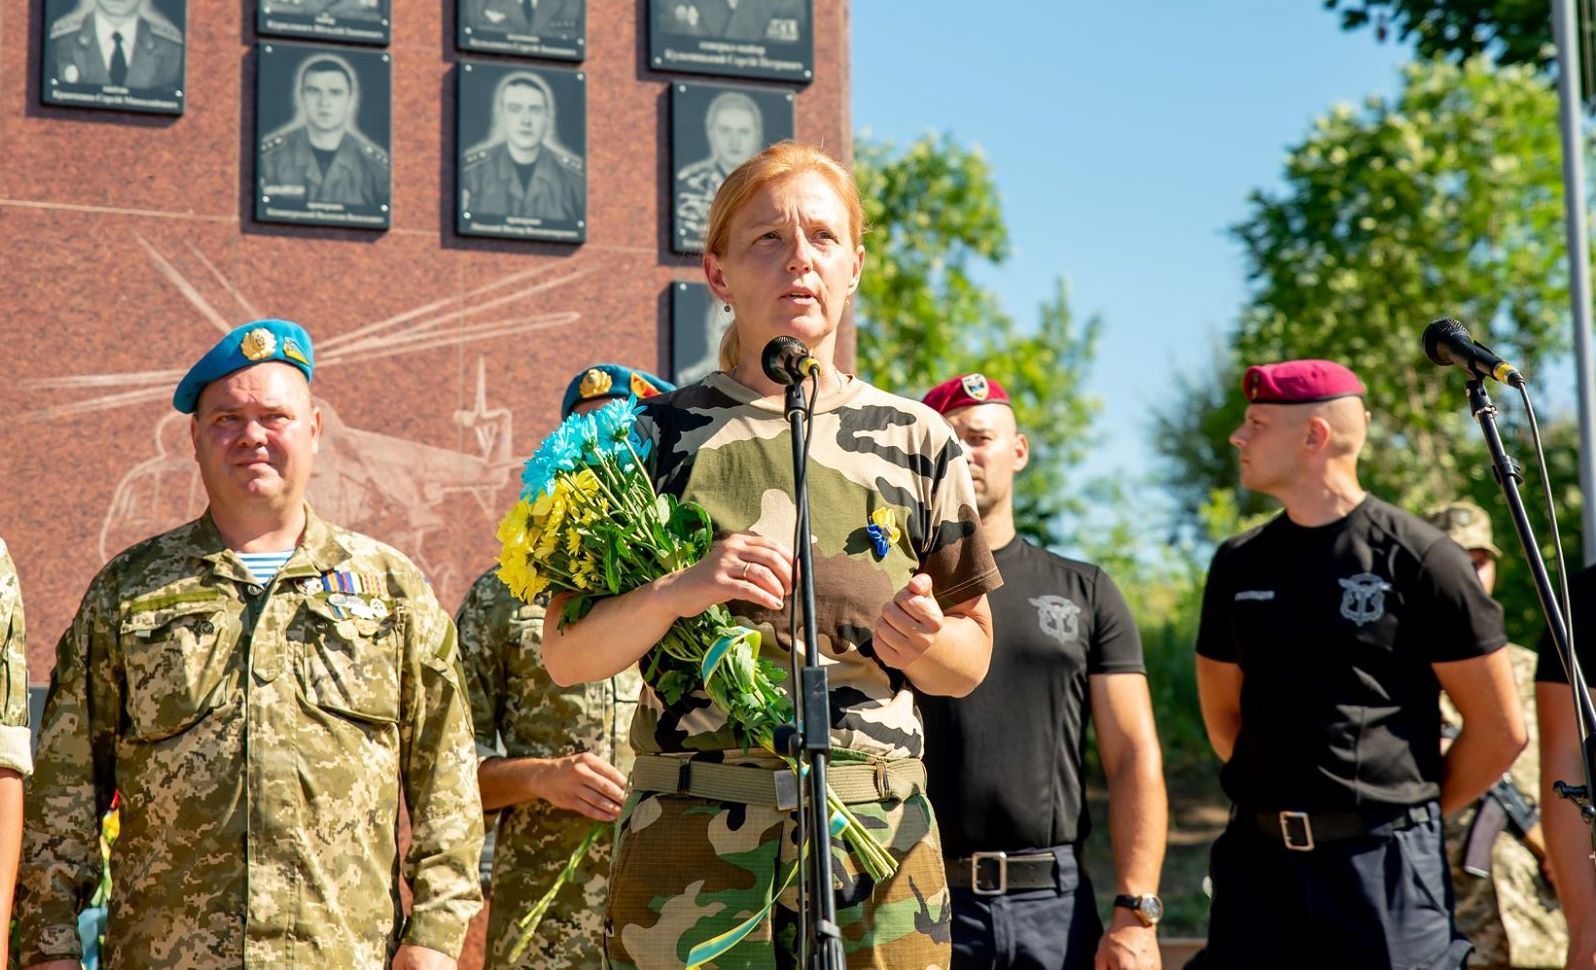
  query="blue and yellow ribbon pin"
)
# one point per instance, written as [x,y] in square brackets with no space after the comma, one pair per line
[883,530]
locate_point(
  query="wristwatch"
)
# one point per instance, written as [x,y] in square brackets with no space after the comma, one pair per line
[1147,907]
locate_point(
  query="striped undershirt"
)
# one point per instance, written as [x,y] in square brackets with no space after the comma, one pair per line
[264,565]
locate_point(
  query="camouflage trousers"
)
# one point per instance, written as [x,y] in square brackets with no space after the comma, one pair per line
[687,869]
[1511,916]
[533,845]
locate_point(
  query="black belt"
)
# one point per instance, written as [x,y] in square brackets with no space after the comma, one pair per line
[1301,831]
[995,873]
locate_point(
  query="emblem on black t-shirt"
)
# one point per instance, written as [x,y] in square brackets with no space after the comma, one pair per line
[1058,617]
[1364,598]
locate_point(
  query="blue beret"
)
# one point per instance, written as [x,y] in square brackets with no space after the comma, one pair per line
[604,381]
[246,346]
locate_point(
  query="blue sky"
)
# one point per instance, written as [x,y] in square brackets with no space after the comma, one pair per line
[1125,139]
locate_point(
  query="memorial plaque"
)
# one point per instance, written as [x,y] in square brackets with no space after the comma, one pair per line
[553,29]
[522,140]
[698,321]
[121,55]
[770,39]
[715,128]
[323,122]
[349,21]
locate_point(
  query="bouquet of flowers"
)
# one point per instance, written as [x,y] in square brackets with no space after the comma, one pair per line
[589,523]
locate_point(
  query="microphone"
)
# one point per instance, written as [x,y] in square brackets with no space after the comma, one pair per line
[787,361]
[1447,343]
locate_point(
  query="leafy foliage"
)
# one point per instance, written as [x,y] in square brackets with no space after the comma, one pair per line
[935,220]
[1510,31]
[1446,201]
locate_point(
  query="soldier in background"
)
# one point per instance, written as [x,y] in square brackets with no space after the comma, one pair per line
[16,748]
[1504,904]
[736,130]
[553,758]
[324,157]
[262,688]
[117,43]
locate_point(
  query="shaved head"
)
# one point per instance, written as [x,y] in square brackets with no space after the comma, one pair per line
[1348,421]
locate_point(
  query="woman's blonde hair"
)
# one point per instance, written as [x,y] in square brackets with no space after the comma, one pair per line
[771,165]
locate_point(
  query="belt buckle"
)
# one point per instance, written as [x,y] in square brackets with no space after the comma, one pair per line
[1002,859]
[1305,843]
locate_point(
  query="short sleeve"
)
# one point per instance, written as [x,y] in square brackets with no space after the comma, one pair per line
[953,551]
[1214,636]
[1460,619]
[1549,667]
[1116,646]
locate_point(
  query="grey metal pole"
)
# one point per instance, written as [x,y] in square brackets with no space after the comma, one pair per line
[1564,25]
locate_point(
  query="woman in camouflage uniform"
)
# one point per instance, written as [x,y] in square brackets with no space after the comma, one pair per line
[705,832]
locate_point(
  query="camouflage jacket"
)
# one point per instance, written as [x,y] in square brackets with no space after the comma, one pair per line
[358,175]
[16,744]
[514,703]
[1511,917]
[719,444]
[262,740]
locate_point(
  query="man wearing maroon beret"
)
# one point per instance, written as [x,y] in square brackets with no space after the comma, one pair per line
[1004,762]
[1326,634]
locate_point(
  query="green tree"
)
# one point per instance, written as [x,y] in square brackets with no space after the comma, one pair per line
[934,218]
[1446,201]
[1511,31]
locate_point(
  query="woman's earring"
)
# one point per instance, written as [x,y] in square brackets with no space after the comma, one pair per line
[726,307]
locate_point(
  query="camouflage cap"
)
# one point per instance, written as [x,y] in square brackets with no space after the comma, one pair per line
[1466,524]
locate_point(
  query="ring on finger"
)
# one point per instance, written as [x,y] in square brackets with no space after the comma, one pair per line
[746,565]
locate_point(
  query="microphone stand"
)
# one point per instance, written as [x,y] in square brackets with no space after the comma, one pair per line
[1507,475]
[808,740]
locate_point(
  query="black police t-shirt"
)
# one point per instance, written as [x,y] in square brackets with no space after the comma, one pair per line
[1335,628]
[1582,596]
[1005,761]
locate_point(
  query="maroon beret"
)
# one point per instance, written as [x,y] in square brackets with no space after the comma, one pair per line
[966,391]
[1300,382]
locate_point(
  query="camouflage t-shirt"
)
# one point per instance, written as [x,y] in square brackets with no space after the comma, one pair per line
[16,745]
[718,444]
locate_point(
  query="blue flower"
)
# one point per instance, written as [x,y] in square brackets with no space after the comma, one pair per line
[558,453]
[615,422]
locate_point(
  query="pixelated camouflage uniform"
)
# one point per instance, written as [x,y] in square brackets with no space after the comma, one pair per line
[1511,916]
[16,745]
[688,868]
[261,741]
[514,701]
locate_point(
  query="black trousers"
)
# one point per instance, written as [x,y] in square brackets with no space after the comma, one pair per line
[1036,929]
[1377,902]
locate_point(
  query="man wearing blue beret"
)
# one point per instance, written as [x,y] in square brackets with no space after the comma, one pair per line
[554,758]
[263,688]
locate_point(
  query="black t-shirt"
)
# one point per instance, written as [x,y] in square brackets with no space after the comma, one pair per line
[1005,761]
[1335,628]
[324,157]
[1582,594]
